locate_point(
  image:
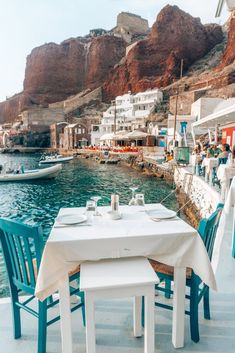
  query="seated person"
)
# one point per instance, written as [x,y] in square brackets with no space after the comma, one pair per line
[223,156]
[213,151]
[169,157]
[197,149]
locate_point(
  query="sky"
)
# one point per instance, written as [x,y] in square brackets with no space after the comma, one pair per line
[25,24]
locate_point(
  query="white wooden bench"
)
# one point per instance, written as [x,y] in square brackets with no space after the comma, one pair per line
[125,277]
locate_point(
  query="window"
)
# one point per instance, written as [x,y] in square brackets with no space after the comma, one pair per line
[95,128]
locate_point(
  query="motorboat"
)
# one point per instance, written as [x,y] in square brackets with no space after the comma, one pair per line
[45,173]
[58,158]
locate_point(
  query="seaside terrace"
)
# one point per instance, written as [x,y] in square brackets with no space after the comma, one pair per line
[114,318]
[114,323]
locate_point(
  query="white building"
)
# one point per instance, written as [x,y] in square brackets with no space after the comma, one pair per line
[182,130]
[215,115]
[127,113]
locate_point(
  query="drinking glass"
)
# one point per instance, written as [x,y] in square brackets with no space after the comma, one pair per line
[139,198]
[90,210]
[133,201]
[96,199]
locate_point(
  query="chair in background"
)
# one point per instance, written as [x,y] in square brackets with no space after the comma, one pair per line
[22,247]
[197,289]
[223,160]
[215,179]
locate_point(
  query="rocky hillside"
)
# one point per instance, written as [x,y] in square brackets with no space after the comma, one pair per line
[57,71]
[229,54]
[156,61]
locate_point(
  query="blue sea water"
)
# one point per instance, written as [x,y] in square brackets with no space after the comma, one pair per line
[39,201]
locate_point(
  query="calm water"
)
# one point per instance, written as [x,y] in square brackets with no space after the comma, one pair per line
[40,201]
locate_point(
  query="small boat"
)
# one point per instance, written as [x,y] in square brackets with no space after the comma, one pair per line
[45,173]
[55,159]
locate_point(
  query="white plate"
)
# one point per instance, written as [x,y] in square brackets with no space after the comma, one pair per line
[71,219]
[161,214]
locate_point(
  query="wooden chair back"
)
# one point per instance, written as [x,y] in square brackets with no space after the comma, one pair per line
[22,247]
[208,229]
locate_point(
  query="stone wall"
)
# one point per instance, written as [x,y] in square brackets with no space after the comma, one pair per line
[135,23]
[129,47]
[185,100]
[202,195]
[78,101]
[39,119]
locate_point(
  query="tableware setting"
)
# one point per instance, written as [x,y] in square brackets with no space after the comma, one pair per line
[114,213]
[96,199]
[139,200]
[133,199]
[69,220]
[162,215]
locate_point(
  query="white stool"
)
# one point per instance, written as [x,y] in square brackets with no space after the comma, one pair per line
[125,277]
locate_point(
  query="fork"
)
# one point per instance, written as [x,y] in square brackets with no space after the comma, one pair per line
[165,220]
[71,225]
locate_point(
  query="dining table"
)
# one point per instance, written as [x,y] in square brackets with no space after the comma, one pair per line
[225,174]
[137,233]
[196,160]
[230,205]
[209,164]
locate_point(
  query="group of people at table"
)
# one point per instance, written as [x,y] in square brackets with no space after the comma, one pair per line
[214,150]
[222,154]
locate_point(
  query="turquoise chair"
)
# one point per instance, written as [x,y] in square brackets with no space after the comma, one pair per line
[197,289]
[22,247]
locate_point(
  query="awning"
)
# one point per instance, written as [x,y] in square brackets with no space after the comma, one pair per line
[121,135]
[222,118]
[107,137]
[136,135]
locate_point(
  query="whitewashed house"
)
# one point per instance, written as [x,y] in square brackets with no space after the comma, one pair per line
[127,113]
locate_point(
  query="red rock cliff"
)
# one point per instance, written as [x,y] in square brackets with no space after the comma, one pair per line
[56,71]
[156,61]
[103,54]
[53,72]
[229,54]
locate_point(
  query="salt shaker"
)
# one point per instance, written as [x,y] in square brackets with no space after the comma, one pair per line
[114,203]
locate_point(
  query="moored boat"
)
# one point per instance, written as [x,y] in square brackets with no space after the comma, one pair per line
[55,159]
[45,173]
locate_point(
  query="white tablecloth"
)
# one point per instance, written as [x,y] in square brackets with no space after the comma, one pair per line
[225,172]
[209,164]
[171,242]
[230,201]
[196,159]
[222,261]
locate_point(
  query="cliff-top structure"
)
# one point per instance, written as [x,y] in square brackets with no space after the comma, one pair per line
[130,26]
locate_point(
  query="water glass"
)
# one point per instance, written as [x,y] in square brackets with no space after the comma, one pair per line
[90,210]
[139,198]
[133,200]
[96,199]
